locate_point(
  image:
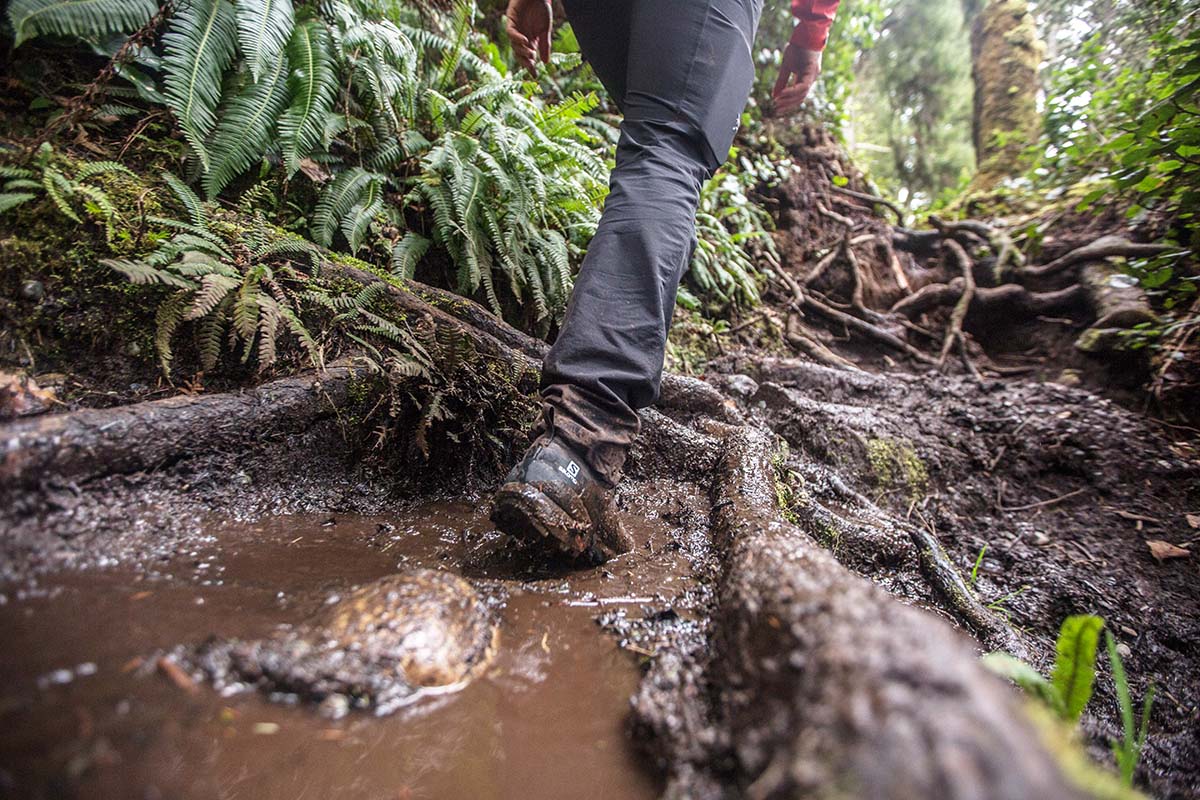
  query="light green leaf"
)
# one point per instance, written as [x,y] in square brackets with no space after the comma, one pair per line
[312,85]
[32,18]
[263,30]
[1075,662]
[198,48]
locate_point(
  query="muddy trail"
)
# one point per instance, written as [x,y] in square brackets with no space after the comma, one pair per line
[803,615]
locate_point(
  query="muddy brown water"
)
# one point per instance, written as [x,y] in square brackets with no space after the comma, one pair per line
[83,712]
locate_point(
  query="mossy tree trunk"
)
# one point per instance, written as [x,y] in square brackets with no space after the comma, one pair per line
[1005,57]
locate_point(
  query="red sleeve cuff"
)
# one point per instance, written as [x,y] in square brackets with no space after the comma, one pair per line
[810,36]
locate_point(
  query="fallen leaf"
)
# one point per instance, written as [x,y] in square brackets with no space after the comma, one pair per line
[1163,550]
[176,674]
[1193,520]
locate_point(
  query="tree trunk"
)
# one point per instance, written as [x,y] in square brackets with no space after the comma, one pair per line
[1005,57]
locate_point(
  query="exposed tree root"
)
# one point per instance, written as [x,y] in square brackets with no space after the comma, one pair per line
[1104,247]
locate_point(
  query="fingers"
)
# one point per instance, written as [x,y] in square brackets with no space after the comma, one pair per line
[782,81]
[790,100]
[522,47]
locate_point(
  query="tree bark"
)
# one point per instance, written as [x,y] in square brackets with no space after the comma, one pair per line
[1005,57]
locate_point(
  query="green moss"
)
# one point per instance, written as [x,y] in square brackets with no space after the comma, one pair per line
[896,465]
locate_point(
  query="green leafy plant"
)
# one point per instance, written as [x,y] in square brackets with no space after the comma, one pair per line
[1070,686]
[1128,750]
[74,192]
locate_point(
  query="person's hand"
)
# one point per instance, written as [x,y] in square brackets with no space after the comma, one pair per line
[529,23]
[801,65]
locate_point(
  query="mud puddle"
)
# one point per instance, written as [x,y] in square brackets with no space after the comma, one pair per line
[83,712]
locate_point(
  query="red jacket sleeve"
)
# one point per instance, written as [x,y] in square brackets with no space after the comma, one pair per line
[813,20]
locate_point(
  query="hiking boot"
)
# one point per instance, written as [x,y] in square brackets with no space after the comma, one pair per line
[553,495]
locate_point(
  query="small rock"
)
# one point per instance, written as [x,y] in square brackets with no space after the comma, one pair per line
[33,291]
[266,728]
[133,349]
[335,706]
[741,385]
[1123,651]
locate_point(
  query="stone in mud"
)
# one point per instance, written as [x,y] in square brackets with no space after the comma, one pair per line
[375,647]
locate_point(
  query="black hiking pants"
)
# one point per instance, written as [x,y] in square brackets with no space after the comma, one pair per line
[680,71]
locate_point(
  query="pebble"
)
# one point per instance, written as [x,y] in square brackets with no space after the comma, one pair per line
[1123,651]
[335,706]
[33,290]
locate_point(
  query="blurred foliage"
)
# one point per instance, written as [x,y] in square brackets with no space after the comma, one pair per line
[911,109]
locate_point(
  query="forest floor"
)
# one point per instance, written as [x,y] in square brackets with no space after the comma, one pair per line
[139,519]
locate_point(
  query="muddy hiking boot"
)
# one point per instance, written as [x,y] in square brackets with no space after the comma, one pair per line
[552,495]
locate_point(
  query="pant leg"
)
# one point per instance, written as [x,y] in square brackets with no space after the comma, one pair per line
[602,29]
[690,70]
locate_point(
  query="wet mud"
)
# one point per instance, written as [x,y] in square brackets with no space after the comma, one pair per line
[103,694]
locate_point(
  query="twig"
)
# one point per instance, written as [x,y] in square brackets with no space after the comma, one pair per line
[1041,504]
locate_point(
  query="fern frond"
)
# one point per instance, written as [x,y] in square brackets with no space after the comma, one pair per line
[336,201]
[166,321]
[101,168]
[407,252]
[10,200]
[300,332]
[214,288]
[312,84]
[263,30]
[197,49]
[58,187]
[140,272]
[83,18]
[188,198]
[9,173]
[210,333]
[268,330]
[245,309]
[358,220]
[245,129]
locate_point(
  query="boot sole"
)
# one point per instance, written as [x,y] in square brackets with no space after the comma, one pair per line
[522,511]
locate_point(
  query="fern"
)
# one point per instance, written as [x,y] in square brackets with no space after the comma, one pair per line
[140,272]
[407,252]
[336,201]
[10,200]
[312,84]
[197,49]
[244,132]
[189,199]
[264,27]
[83,18]
[166,321]
[358,219]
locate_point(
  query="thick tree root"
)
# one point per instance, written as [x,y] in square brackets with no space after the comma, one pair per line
[829,688]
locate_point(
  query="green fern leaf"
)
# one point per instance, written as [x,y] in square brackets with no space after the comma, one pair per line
[357,222]
[83,18]
[213,290]
[268,330]
[197,49]
[10,200]
[245,309]
[246,128]
[58,188]
[142,273]
[167,319]
[300,332]
[407,253]
[263,30]
[336,201]
[210,333]
[189,199]
[101,168]
[312,84]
